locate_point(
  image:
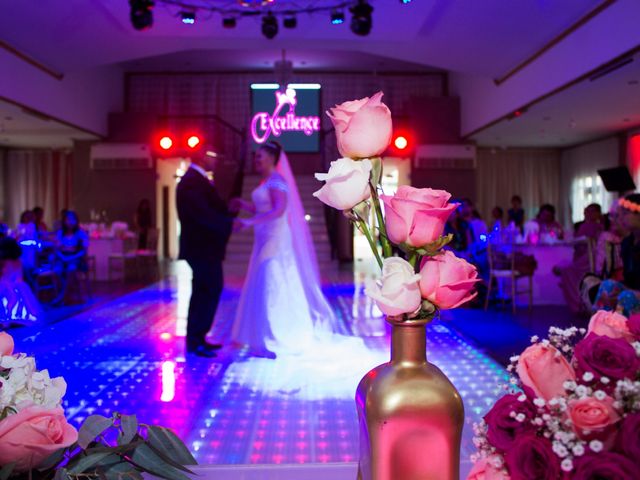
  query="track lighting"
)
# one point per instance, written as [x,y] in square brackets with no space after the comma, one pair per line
[188,18]
[269,26]
[361,19]
[337,17]
[141,14]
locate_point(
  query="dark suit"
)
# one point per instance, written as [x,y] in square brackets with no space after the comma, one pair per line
[205,230]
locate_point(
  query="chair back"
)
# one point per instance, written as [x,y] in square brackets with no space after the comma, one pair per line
[501,256]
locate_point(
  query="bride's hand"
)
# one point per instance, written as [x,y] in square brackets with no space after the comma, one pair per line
[240,224]
[236,204]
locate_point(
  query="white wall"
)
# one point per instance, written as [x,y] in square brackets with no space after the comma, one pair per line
[82,99]
[584,161]
[606,36]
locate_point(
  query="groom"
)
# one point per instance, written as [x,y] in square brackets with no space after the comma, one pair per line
[205,229]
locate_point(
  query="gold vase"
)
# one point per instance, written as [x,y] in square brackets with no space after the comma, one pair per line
[411,416]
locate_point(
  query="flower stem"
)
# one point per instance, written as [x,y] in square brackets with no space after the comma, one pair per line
[386,246]
[413,258]
[363,227]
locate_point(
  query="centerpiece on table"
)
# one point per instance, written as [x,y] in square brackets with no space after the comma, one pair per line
[37,442]
[410,414]
[572,408]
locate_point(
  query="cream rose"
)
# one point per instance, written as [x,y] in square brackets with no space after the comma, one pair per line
[397,292]
[347,183]
[363,127]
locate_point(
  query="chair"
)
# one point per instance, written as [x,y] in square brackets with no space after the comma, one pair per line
[124,265]
[148,259]
[91,266]
[46,281]
[78,287]
[502,265]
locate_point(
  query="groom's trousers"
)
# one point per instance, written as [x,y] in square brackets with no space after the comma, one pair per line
[207,285]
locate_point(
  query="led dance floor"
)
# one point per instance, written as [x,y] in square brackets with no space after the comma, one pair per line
[127,356]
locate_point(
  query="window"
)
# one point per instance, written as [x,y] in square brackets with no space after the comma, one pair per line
[587,190]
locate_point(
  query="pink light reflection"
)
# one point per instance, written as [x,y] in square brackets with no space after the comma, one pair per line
[168,381]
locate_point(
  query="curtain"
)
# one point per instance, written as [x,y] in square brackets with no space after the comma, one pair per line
[531,173]
[36,178]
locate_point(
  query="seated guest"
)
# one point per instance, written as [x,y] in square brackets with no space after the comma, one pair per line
[478,227]
[497,217]
[41,226]
[26,229]
[17,302]
[57,225]
[516,213]
[547,223]
[572,273]
[607,257]
[27,236]
[624,296]
[72,245]
[460,229]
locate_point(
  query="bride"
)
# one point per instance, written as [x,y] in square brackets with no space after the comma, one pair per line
[282,307]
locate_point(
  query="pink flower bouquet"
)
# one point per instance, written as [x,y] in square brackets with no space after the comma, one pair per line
[35,438]
[413,219]
[572,410]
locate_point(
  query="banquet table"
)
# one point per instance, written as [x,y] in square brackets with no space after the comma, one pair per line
[546,289]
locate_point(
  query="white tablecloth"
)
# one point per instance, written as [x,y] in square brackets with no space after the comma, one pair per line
[546,290]
[101,248]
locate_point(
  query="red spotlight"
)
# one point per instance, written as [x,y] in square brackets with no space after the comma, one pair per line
[193,141]
[401,142]
[165,143]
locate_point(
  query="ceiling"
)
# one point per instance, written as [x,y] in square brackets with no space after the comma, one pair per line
[22,128]
[591,109]
[482,38]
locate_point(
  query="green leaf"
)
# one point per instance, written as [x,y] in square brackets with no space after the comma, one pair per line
[7,470]
[376,171]
[62,474]
[52,460]
[168,442]
[92,427]
[168,460]
[122,471]
[88,462]
[129,426]
[146,459]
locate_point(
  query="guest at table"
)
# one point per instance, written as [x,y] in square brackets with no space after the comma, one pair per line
[143,222]
[41,226]
[458,227]
[27,236]
[26,229]
[607,256]
[71,251]
[17,301]
[624,296]
[497,217]
[547,223]
[516,212]
[57,225]
[592,225]
[478,227]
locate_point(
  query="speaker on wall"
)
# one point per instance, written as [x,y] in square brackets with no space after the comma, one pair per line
[617,179]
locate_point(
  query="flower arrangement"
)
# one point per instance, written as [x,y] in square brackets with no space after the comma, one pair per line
[572,410]
[36,440]
[413,219]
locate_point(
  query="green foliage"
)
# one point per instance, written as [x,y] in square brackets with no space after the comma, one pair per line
[116,448]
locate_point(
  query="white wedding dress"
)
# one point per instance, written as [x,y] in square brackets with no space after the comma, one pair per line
[282,308]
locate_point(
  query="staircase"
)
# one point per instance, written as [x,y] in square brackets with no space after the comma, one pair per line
[240,244]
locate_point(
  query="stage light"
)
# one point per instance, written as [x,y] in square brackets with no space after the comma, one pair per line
[405,2]
[337,17]
[166,143]
[401,142]
[269,26]
[229,22]
[361,19]
[193,141]
[141,14]
[188,18]
[290,22]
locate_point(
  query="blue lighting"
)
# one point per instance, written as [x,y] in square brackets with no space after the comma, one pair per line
[265,86]
[188,18]
[405,2]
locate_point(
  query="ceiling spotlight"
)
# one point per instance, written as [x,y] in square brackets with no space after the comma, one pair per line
[337,17]
[290,21]
[405,2]
[229,22]
[361,19]
[141,14]
[269,26]
[188,18]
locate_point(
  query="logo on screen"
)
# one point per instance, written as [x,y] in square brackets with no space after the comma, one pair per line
[263,124]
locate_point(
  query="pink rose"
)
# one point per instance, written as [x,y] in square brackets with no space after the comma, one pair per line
[446,280]
[610,324]
[363,127]
[485,469]
[592,416]
[32,435]
[347,183]
[544,370]
[417,216]
[397,292]
[6,344]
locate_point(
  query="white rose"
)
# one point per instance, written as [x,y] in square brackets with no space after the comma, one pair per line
[347,183]
[398,291]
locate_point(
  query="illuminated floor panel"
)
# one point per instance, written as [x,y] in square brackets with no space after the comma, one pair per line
[127,356]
